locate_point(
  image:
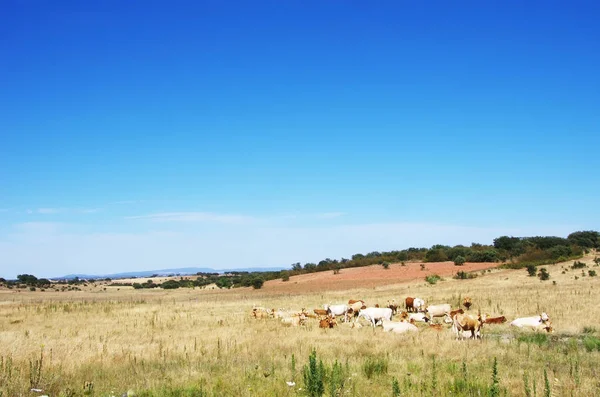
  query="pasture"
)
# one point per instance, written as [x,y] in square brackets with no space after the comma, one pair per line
[193,342]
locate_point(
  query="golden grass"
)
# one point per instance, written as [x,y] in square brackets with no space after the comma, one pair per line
[157,341]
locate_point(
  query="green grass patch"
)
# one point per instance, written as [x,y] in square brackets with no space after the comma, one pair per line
[536,339]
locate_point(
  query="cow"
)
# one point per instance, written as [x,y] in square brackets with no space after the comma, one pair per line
[467,302]
[409,304]
[353,301]
[437,327]
[442,310]
[537,323]
[354,307]
[419,305]
[328,322]
[294,320]
[338,310]
[391,325]
[418,317]
[392,305]
[455,312]
[374,314]
[466,322]
[495,320]
[406,327]
[320,312]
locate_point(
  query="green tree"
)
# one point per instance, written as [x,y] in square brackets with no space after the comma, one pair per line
[459,260]
[257,283]
[531,270]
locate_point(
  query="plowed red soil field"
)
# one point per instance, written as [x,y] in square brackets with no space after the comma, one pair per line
[369,276]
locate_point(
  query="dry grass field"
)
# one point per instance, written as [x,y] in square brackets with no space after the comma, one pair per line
[193,342]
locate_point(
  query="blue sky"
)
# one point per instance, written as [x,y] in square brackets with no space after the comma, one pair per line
[218,134]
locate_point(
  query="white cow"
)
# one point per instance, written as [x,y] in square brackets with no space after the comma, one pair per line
[418,305]
[405,327]
[390,325]
[537,323]
[374,314]
[337,310]
[417,317]
[442,310]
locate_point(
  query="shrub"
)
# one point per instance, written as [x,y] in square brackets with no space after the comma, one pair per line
[531,270]
[543,274]
[285,277]
[314,374]
[170,284]
[459,260]
[578,265]
[592,273]
[462,275]
[591,343]
[432,279]
[257,283]
[386,265]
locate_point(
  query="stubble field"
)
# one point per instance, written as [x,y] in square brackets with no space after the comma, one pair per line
[194,342]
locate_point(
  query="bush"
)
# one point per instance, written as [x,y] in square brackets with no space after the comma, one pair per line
[592,273]
[386,265]
[257,283]
[578,265]
[314,374]
[170,284]
[434,278]
[459,261]
[461,275]
[531,270]
[543,274]
[591,343]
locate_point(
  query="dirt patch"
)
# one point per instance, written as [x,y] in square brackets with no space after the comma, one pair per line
[369,276]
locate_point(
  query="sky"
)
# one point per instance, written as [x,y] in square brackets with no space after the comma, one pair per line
[147,135]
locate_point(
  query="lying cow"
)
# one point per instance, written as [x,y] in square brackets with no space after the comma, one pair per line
[417,317]
[328,322]
[495,320]
[537,323]
[404,328]
[374,314]
[294,320]
[320,312]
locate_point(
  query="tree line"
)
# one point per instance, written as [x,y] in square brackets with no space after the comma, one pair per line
[513,252]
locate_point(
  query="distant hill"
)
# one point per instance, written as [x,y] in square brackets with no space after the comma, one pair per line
[165,272]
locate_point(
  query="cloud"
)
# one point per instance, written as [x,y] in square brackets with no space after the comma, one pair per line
[194,217]
[89,210]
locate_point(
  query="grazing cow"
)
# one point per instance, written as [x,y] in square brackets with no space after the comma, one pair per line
[374,314]
[392,305]
[328,322]
[455,312]
[467,323]
[442,310]
[495,320]
[537,323]
[391,325]
[467,302]
[338,310]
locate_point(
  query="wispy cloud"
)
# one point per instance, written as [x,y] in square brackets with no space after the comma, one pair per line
[194,217]
[89,210]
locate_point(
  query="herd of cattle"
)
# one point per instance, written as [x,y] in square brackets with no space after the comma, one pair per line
[463,325]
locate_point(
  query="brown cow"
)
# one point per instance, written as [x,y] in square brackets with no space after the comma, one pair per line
[455,312]
[495,320]
[328,322]
[437,327]
[408,304]
[467,302]
[353,301]
[465,322]
[320,312]
[392,305]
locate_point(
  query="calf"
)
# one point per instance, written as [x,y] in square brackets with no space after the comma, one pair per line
[320,312]
[328,322]
[467,302]
[392,305]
